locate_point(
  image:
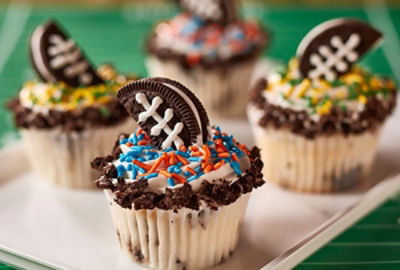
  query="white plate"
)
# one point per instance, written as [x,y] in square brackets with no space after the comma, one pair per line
[73,230]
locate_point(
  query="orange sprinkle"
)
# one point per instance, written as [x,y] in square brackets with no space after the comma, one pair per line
[156,165]
[218,141]
[203,165]
[183,148]
[182,159]
[172,158]
[142,143]
[223,155]
[129,144]
[207,153]
[166,159]
[165,173]
[195,148]
[142,165]
[218,164]
[196,154]
[234,157]
[190,170]
[179,178]
[208,168]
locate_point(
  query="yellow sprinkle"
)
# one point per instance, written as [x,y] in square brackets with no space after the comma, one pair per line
[289,92]
[303,86]
[362,99]
[352,78]
[391,85]
[324,84]
[375,83]
[325,108]
[341,94]
[314,100]
[293,64]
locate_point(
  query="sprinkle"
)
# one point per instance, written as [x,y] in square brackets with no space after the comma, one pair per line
[194,177]
[165,173]
[182,159]
[234,157]
[171,182]
[120,170]
[151,175]
[208,168]
[207,153]
[303,86]
[190,170]
[178,178]
[236,167]
[218,164]
[362,99]
[196,154]
[142,165]
[223,155]
[183,148]
[194,159]
[156,165]
[172,158]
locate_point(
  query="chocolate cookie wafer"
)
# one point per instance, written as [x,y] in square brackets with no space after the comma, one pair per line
[330,49]
[168,111]
[56,57]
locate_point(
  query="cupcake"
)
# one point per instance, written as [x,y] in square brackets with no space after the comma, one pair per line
[211,50]
[318,120]
[177,189]
[70,116]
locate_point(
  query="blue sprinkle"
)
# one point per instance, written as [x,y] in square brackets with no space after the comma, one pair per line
[171,169]
[183,154]
[129,167]
[187,174]
[123,141]
[134,139]
[139,168]
[198,169]
[214,154]
[179,164]
[128,159]
[120,170]
[194,177]
[140,137]
[171,182]
[210,143]
[134,173]
[195,159]
[177,170]
[141,159]
[151,175]
[236,167]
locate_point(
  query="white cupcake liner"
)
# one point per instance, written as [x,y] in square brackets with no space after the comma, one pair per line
[186,239]
[326,163]
[222,90]
[64,158]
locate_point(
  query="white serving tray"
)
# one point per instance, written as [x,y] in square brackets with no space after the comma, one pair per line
[69,229]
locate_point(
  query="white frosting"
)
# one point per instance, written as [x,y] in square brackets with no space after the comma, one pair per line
[208,9]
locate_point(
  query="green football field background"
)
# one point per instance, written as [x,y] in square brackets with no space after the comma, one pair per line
[116,34]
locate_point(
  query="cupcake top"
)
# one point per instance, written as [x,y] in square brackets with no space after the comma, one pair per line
[72,95]
[322,90]
[195,37]
[174,159]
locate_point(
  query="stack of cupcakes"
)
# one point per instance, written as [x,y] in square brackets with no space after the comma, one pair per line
[317,121]
[177,189]
[211,50]
[71,116]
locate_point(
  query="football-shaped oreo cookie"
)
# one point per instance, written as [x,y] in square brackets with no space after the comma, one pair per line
[330,49]
[221,11]
[168,111]
[56,57]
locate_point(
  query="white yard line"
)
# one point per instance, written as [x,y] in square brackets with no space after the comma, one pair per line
[378,14]
[13,25]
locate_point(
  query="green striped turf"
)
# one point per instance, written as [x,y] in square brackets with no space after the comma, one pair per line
[371,243]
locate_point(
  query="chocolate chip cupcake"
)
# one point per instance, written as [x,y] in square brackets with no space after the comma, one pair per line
[318,121]
[177,189]
[70,116]
[211,50]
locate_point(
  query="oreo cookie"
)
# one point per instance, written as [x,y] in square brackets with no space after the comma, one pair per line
[330,49]
[220,11]
[169,112]
[56,57]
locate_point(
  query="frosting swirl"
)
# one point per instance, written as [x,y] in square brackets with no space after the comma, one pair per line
[221,158]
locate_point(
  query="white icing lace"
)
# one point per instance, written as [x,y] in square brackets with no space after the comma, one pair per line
[162,123]
[344,50]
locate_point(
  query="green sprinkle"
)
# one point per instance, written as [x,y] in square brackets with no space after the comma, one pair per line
[343,108]
[337,83]
[104,111]
[35,100]
[295,82]
[353,92]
